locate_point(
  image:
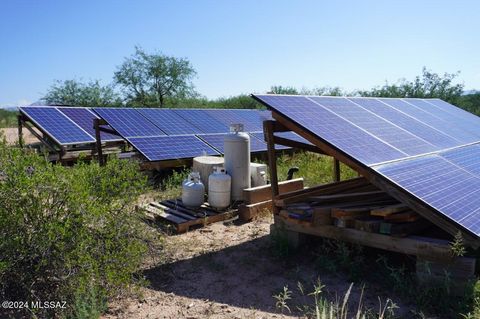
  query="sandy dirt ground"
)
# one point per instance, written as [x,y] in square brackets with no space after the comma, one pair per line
[228,270]
[11,134]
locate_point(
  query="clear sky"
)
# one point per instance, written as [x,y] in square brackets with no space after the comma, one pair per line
[238,46]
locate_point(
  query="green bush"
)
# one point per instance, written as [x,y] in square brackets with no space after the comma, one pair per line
[68,233]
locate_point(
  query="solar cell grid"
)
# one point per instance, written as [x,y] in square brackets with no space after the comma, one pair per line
[201,120]
[388,132]
[467,158]
[57,125]
[128,122]
[169,121]
[445,126]
[333,129]
[408,123]
[84,118]
[450,114]
[159,148]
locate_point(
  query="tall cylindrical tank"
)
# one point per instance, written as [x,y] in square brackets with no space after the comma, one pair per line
[204,165]
[193,190]
[219,188]
[237,159]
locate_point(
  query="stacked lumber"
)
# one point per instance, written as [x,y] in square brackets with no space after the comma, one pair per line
[352,203]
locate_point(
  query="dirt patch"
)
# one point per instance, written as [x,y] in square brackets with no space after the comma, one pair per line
[228,270]
[11,134]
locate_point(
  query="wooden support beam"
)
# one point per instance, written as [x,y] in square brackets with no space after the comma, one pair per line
[20,128]
[40,138]
[98,141]
[268,129]
[336,170]
[417,246]
[262,193]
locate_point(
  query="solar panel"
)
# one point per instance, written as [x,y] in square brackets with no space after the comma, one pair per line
[159,148]
[260,136]
[406,122]
[375,125]
[441,184]
[202,121]
[250,119]
[432,120]
[128,122]
[217,141]
[333,129]
[83,117]
[469,123]
[467,158]
[292,136]
[57,125]
[169,121]
[445,178]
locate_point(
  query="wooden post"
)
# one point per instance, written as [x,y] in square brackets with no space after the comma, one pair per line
[98,141]
[272,160]
[336,170]
[20,130]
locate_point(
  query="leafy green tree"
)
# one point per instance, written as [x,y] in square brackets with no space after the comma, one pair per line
[470,103]
[427,85]
[152,79]
[279,89]
[77,93]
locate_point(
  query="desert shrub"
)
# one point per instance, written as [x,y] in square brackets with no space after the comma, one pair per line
[68,233]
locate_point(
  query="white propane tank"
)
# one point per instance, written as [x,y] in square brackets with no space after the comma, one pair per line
[237,159]
[193,190]
[204,165]
[219,188]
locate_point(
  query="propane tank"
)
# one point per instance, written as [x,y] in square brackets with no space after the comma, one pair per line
[193,190]
[219,188]
[237,159]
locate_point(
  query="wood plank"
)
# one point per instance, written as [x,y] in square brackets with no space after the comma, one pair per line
[248,212]
[387,210]
[406,216]
[268,129]
[325,188]
[404,229]
[350,212]
[322,216]
[165,214]
[263,193]
[406,245]
[349,196]
[369,224]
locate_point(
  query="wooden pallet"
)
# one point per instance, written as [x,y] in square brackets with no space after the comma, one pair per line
[184,218]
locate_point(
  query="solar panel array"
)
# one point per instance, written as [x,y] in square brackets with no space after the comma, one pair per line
[61,128]
[429,148]
[197,131]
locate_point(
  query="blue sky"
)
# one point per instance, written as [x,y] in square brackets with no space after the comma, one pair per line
[238,46]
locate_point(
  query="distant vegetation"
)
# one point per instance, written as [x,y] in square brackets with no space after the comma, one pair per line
[8,118]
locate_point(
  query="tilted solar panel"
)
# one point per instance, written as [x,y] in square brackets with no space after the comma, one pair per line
[160,148]
[202,121]
[261,137]
[445,178]
[388,132]
[406,122]
[83,117]
[57,125]
[333,129]
[128,122]
[169,121]
[432,119]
